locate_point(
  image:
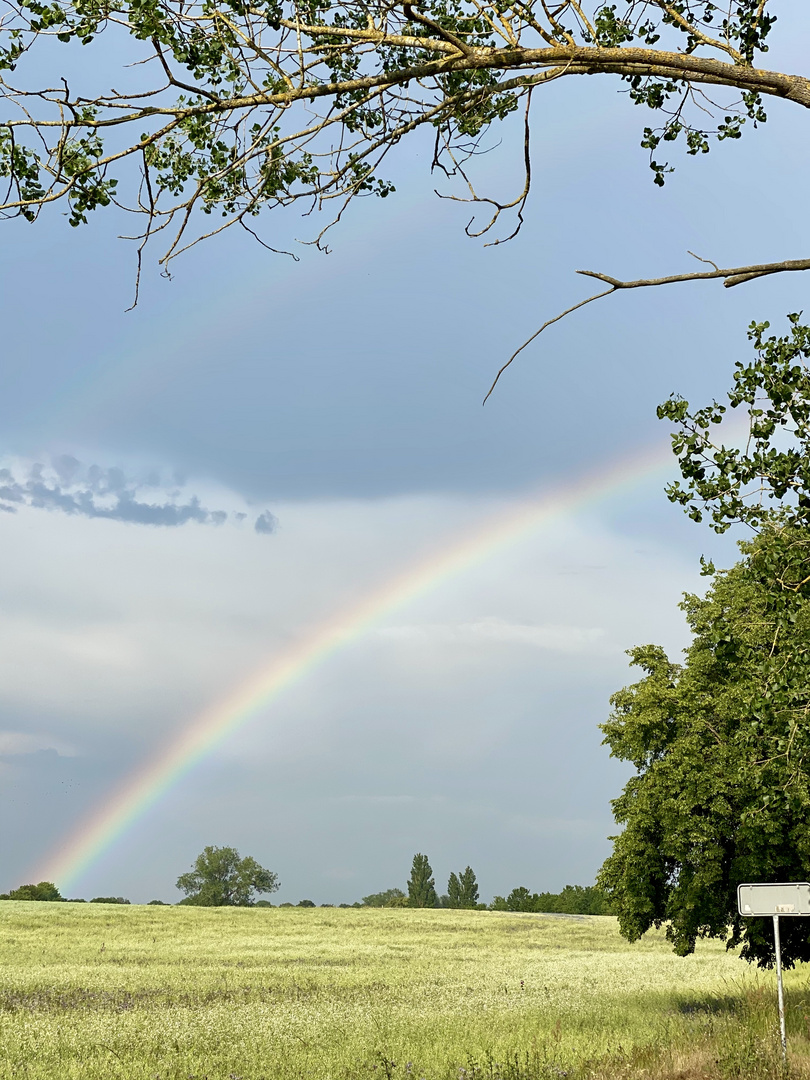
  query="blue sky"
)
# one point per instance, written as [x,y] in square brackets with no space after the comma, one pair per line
[342,395]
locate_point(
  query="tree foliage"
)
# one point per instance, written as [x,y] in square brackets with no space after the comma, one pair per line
[721,749]
[221,878]
[421,885]
[45,890]
[229,107]
[462,889]
[770,473]
[387,898]
[573,900]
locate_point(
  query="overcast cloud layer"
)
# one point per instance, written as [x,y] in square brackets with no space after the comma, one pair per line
[463,724]
[326,415]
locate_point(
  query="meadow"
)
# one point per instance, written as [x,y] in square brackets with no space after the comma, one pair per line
[173,993]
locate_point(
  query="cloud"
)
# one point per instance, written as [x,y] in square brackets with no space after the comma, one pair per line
[265,523]
[484,692]
[540,636]
[68,486]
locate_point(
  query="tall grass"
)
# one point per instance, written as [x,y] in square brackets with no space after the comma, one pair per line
[151,993]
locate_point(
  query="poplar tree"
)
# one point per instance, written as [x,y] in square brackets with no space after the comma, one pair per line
[421,886]
[462,889]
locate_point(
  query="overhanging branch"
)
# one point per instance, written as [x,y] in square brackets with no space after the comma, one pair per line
[730,277]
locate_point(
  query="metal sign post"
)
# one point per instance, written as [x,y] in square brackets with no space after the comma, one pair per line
[785,898]
[779,990]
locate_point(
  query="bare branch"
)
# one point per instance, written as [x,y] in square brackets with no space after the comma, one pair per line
[537,333]
[731,277]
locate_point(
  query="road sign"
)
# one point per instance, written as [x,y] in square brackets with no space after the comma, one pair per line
[776,900]
[784,898]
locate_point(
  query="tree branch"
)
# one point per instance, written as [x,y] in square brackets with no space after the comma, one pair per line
[730,276]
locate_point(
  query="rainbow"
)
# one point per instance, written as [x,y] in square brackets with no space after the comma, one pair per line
[173,762]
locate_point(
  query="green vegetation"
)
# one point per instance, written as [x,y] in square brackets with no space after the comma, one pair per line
[235,142]
[720,744]
[387,898]
[721,749]
[222,878]
[573,900]
[46,890]
[89,992]
[462,890]
[421,885]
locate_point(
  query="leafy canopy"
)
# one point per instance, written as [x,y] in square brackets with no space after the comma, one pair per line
[721,743]
[228,107]
[721,748]
[771,471]
[221,878]
[387,898]
[45,890]
[573,900]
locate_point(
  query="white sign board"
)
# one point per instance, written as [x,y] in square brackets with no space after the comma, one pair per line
[786,898]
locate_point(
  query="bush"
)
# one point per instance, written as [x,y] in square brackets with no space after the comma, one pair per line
[109,900]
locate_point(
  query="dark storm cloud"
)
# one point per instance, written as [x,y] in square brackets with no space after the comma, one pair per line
[69,487]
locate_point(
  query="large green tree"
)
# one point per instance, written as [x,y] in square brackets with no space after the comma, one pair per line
[721,750]
[421,885]
[721,743]
[222,878]
[219,109]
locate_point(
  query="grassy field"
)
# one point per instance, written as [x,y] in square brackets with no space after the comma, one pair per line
[98,991]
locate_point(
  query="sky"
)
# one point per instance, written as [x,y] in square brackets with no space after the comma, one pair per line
[199,483]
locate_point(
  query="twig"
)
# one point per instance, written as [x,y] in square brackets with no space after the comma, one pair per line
[730,276]
[537,333]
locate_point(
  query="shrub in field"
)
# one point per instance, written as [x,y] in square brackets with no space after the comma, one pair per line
[109,900]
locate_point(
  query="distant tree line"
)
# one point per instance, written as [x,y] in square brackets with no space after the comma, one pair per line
[220,877]
[46,890]
[573,900]
[462,892]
